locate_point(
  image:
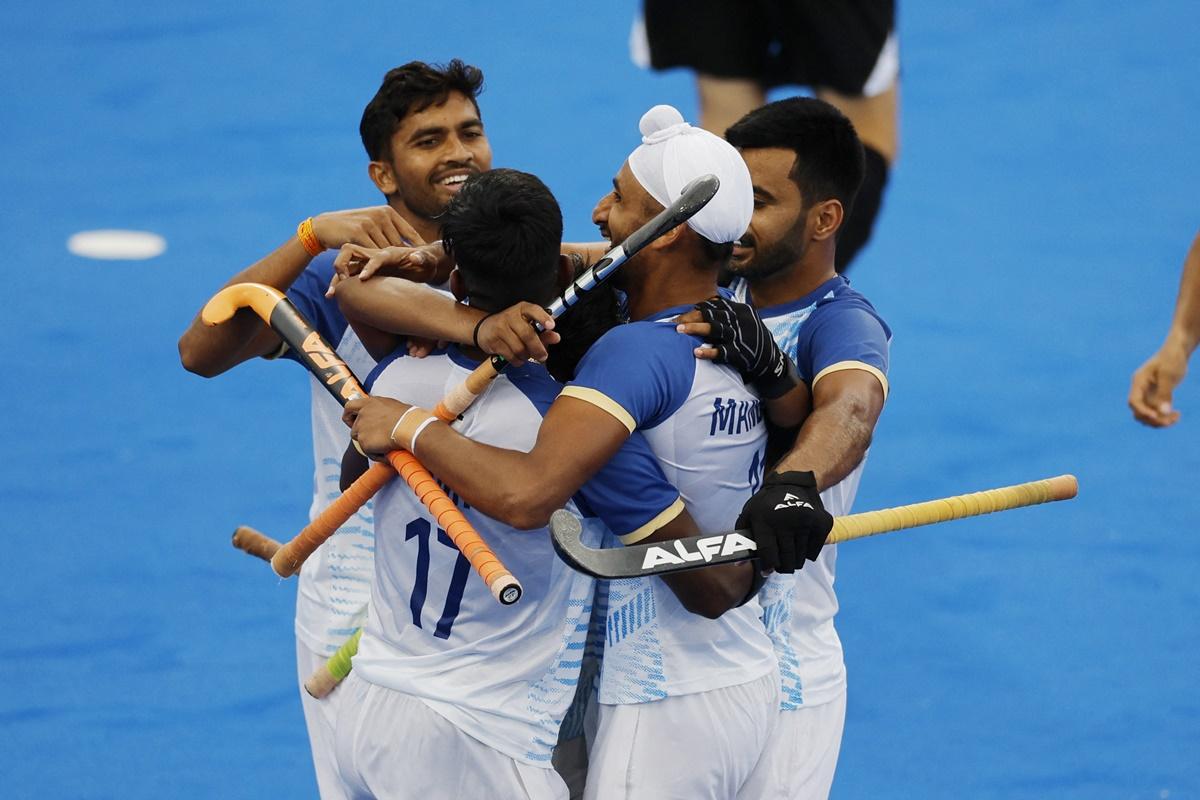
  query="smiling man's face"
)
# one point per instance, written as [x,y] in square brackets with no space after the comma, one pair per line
[777,235]
[434,151]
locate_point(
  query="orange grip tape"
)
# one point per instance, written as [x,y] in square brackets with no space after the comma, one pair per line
[286,562]
[255,543]
[449,518]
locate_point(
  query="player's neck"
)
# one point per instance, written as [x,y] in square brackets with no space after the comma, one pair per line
[792,283]
[427,228]
[666,282]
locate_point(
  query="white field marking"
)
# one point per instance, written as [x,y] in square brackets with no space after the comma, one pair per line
[114,245]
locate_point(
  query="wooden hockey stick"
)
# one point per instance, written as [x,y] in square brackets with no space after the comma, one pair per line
[692,552]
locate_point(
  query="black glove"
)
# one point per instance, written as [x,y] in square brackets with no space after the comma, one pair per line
[787,521]
[743,342]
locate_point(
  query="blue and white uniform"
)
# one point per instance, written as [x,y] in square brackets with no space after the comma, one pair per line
[502,677]
[335,584]
[832,328]
[676,689]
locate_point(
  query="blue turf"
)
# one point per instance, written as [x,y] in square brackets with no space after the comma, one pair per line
[1027,260]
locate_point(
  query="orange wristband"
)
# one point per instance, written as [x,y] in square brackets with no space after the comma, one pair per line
[309,239]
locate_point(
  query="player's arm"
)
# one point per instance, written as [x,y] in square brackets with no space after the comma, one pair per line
[590,252]
[844,347]
[520,489]
[209,351]
[1155,381]
[712,591]
[834,438]
[575,441]
[400,306]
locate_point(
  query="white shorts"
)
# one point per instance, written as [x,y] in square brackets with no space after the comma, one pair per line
[320,717]
[801,755]
[392,746]
[689,747]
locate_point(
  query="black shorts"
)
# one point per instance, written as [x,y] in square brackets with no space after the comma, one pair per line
[817,43]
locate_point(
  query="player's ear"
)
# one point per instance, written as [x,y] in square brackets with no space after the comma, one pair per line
[825,218]
[566,272]
[458,286]
[668,239]
[382,176]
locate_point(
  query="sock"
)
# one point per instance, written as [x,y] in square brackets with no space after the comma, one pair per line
[856,230]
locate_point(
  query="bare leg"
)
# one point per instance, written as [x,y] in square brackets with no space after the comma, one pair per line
[875,118]
[723,101]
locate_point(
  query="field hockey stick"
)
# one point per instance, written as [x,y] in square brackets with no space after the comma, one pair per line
[335,669]
[316,354]
[693,198]
[327,676]
[664,558]
[255,543]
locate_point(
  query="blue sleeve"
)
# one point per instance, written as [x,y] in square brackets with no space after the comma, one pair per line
[842,333]
[641,373]
[630,491]
[307,293]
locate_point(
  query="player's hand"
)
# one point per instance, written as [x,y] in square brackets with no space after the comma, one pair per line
[738,337]
[420,347]
[787,521]
[418,264]
[1153,384]
[510,333]
[371,420]
[376,226]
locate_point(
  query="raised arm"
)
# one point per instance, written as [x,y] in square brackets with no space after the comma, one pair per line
[209,351]
[1155,381]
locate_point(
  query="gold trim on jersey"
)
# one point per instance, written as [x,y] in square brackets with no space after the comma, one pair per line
[843,365]
[669,513]
[603,402]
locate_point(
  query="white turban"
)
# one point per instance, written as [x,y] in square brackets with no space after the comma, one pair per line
[673,153]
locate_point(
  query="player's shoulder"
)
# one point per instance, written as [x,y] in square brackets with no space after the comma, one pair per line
[537,385]
[645,347]
[656,332]
[838,302]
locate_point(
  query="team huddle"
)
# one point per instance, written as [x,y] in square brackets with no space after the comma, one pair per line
[725,377]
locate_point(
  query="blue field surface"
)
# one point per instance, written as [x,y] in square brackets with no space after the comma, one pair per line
[1027,261]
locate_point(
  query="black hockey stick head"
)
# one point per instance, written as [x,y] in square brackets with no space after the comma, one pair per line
[641,560]
[694,197]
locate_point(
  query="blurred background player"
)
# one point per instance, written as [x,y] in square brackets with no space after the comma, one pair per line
[423,134]
[805,162]
[1155,381]
[847,52]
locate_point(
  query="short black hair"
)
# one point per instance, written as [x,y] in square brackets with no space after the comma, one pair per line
[829,155]
[413,87]
[504,230]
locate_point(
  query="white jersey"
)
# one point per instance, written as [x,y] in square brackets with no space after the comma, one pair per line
[335,584]
[706,428]
[504,675]
[831,329]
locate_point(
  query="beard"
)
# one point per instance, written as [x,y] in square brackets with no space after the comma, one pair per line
[769,261]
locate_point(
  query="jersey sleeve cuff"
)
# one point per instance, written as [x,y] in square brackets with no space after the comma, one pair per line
[603,402]
[860,365]
[662,518]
